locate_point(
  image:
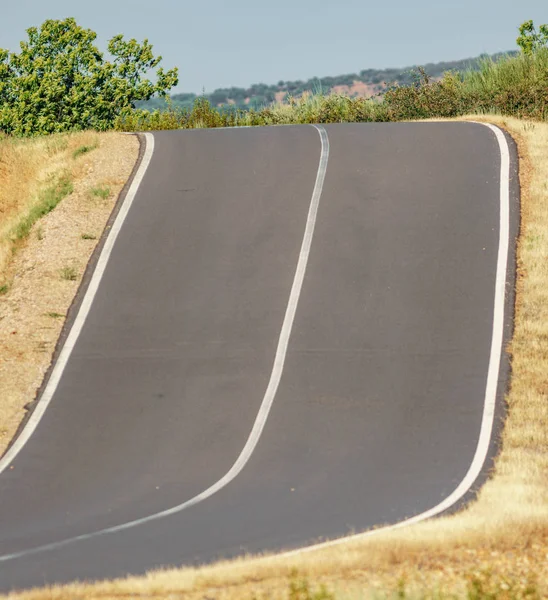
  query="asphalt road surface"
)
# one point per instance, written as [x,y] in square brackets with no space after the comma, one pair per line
[378,407]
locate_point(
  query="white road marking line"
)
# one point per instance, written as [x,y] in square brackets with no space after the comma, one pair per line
[83,312]
[492,373]
[275,376]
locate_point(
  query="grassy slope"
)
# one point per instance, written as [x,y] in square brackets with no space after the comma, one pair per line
[497,547]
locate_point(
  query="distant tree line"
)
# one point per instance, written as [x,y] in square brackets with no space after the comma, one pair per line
[261,94]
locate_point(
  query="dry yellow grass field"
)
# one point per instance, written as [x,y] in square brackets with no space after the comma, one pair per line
[496,548]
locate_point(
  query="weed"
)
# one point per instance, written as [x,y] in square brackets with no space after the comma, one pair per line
[40,233]
[69,273]
[54,315]
[299,589]
[88,236]
[42,347]
[4,289]
[101,191]
[84,150]
[486,586]
[400,592]
[532,241]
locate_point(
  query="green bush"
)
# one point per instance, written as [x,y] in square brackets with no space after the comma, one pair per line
[426,99]
[514,86]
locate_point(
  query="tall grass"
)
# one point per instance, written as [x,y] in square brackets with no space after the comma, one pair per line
[515,85]
[510,72]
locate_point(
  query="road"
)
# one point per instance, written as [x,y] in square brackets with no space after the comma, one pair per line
[377,406]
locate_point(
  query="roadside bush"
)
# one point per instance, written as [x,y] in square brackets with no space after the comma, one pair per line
[425,99]
[202,115]
[514,86]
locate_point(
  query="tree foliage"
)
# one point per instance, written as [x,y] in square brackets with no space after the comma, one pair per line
[60,81]
[530,40]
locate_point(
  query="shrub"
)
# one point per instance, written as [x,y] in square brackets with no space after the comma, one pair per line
[426,99]
[514,86]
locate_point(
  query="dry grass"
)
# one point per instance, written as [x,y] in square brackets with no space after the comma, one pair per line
[496,548]
[41,265]
[25,166]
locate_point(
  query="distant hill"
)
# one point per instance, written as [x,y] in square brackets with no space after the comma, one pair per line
[368,82]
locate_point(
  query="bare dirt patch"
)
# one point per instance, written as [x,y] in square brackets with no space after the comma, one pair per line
[43,271]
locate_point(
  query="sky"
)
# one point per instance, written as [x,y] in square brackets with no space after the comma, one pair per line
[240,42]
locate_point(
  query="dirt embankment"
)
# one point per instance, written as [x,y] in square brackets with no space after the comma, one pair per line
[42,263]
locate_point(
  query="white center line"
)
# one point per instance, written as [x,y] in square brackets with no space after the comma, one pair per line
[490,398]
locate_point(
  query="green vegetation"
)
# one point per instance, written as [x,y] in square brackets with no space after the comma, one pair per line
[514,86]
[84,150]
[61,82]
[100,191]
[47,201]
[88,236]
[54,315]
[69,274]
[259,95]
[300,589]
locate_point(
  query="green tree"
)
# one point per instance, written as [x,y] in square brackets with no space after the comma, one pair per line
[530,40]
[59,81]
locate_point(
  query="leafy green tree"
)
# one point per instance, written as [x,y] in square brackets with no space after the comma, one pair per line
[59,81]
[530,40]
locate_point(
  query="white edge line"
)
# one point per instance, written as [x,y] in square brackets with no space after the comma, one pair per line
[492,373]
[272,387]
[83,311]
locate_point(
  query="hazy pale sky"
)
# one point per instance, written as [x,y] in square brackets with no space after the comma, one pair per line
[240,42]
